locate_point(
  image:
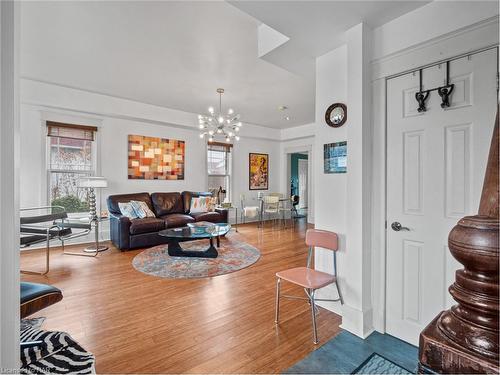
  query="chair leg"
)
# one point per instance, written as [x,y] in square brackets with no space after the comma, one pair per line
[340,294]
[47,263]
[313,315]
[278,287]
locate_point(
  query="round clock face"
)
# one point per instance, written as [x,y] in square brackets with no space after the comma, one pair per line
[336,115]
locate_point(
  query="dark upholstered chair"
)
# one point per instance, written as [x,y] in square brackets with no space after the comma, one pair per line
[35,297]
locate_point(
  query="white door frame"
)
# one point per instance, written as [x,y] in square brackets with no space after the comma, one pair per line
[9,187]
[464,41]
[310,162]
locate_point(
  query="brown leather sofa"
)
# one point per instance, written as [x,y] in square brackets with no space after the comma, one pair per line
[172,210]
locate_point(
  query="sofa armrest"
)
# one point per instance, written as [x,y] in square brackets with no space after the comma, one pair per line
[224,214]
[120,231]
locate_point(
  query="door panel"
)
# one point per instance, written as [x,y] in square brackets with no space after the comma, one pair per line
[435,162]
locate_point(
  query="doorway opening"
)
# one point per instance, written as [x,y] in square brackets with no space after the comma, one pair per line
[299,182]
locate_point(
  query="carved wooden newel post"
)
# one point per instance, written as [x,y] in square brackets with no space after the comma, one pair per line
[464,339]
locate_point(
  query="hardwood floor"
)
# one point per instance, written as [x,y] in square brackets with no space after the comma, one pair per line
[135,323]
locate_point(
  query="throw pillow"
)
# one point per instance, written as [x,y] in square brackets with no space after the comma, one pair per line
[211,204]
[199,204]
[142,209]
[127,210]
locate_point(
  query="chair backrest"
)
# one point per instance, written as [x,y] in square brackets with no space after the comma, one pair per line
[322,238]
[271,202]
[44,214]
[295,200]
[279,195]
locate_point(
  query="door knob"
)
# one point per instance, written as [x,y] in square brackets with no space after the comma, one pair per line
[397,226]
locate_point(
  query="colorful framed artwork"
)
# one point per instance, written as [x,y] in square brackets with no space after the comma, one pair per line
[151,158]
[335,157]
[258,168]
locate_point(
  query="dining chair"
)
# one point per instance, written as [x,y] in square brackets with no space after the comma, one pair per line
[246,210]
[272,206]
[310,279]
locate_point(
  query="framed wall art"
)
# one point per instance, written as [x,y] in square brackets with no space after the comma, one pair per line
[151,158]
[335,157]
[258,168]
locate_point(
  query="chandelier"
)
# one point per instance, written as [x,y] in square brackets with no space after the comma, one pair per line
[219,124]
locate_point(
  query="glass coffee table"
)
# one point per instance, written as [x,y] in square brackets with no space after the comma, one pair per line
[178,235]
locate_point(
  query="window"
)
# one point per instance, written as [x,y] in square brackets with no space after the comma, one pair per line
[219,168]
[70,155]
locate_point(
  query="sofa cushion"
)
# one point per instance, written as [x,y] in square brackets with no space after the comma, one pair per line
[146,225]
[167,203]
[213,217]
[187,196]
[113,201]
[177,220]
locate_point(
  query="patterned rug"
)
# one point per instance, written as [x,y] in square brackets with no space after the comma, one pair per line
[233,256]
[57,354]
[377,364]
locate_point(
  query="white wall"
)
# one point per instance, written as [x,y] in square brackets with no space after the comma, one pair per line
[9,197]
[116,118]
[330,190]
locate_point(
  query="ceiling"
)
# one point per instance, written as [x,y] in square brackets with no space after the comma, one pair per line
[176,54]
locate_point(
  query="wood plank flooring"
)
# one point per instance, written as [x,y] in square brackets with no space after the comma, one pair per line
[135,323]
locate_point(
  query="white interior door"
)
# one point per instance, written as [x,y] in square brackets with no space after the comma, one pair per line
[302,171]
[436,162]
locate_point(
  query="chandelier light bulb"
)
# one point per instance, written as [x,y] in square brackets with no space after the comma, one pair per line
[230,134]
[220,119]
[219,130]
[236,129]
[230,111]
[211,132]
[211,110]
[202,126]
[202,135]
[200,117]
[211,139]
[228,139]
[239,124]
[237,138]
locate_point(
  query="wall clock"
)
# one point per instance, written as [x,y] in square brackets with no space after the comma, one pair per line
[336,115]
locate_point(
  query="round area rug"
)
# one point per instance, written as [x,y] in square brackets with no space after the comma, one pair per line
[234,255]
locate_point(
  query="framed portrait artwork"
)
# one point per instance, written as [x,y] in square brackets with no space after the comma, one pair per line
[258,168]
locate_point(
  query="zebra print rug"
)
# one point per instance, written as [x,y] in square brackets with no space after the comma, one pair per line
[59,354]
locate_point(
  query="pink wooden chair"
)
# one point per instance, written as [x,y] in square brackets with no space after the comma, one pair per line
[310,279]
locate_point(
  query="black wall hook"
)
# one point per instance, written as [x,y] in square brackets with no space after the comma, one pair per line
[421,96]
[445,91]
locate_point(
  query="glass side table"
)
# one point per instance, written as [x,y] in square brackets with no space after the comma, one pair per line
[235,214]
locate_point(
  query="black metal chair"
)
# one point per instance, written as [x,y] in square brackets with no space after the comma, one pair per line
[46,223]
[295,202]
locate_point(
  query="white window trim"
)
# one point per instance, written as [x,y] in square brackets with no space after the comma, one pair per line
[229,164]
[92,172]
